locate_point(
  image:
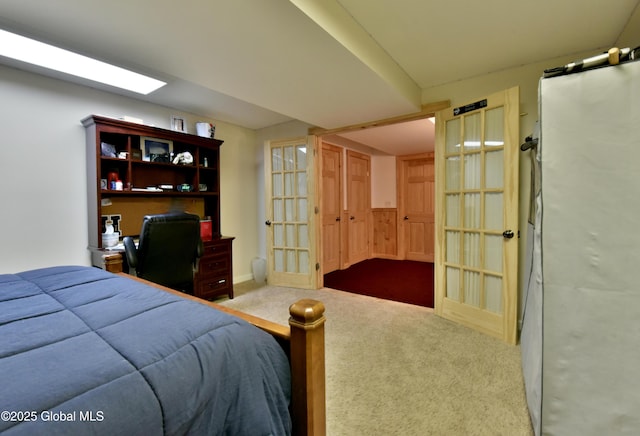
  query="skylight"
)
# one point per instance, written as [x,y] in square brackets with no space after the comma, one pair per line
[44,55]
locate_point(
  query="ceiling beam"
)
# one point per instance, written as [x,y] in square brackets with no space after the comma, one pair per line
[337,22]
[630,34]
[428,110]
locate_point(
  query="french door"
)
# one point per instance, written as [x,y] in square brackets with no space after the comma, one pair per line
[476,259]
[290,208]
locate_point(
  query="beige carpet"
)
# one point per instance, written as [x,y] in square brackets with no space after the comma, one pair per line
[397,369]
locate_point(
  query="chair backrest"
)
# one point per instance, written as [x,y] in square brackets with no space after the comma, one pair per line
[168,249]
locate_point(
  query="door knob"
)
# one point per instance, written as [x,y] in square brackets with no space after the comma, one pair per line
[406,217]
[337,218]
[352,217]
[268,222]
[508,234]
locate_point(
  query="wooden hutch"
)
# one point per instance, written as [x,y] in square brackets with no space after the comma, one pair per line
[130,174]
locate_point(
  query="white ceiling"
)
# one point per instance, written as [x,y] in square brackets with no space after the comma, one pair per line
[410,137]
[329,63]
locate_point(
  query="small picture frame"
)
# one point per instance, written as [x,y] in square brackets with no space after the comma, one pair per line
[178,124]
[107,150]
[156,150]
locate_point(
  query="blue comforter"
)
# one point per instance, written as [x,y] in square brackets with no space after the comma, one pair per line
[84,351]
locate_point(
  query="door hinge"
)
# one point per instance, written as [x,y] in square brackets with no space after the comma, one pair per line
[316,210]
[317,267]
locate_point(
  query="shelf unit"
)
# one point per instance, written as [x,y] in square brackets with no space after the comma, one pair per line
[138,174]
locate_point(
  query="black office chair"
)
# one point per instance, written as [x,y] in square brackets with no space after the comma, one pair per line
[168,250]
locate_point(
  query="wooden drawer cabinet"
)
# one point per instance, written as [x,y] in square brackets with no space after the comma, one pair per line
[215,275]
[119,150]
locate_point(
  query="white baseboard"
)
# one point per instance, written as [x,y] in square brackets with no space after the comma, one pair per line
[242,278]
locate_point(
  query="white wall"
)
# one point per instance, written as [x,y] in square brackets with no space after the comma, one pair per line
[42,169]
[383,181]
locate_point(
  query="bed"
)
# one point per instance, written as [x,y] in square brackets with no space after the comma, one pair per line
[86,351]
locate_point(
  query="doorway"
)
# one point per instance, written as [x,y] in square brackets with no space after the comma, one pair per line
[368,265]
[377,230]
[475,257]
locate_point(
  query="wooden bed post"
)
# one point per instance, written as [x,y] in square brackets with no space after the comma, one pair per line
[307,367]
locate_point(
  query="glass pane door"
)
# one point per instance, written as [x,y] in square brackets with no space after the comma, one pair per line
[477,157]
[289,239]
[474,192]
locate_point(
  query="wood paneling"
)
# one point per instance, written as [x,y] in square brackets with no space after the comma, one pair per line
[385,236]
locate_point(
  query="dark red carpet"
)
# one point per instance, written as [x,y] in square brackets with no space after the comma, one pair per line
[406,281]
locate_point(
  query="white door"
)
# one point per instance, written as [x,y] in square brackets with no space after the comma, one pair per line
[476,262]
[290,207]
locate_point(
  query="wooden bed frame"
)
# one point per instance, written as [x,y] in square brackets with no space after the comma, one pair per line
[303,342]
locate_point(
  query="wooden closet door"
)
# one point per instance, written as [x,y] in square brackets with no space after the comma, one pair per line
[331,207]
[358,205]
[416,182]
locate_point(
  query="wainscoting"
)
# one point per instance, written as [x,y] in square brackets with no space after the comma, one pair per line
[385,233]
